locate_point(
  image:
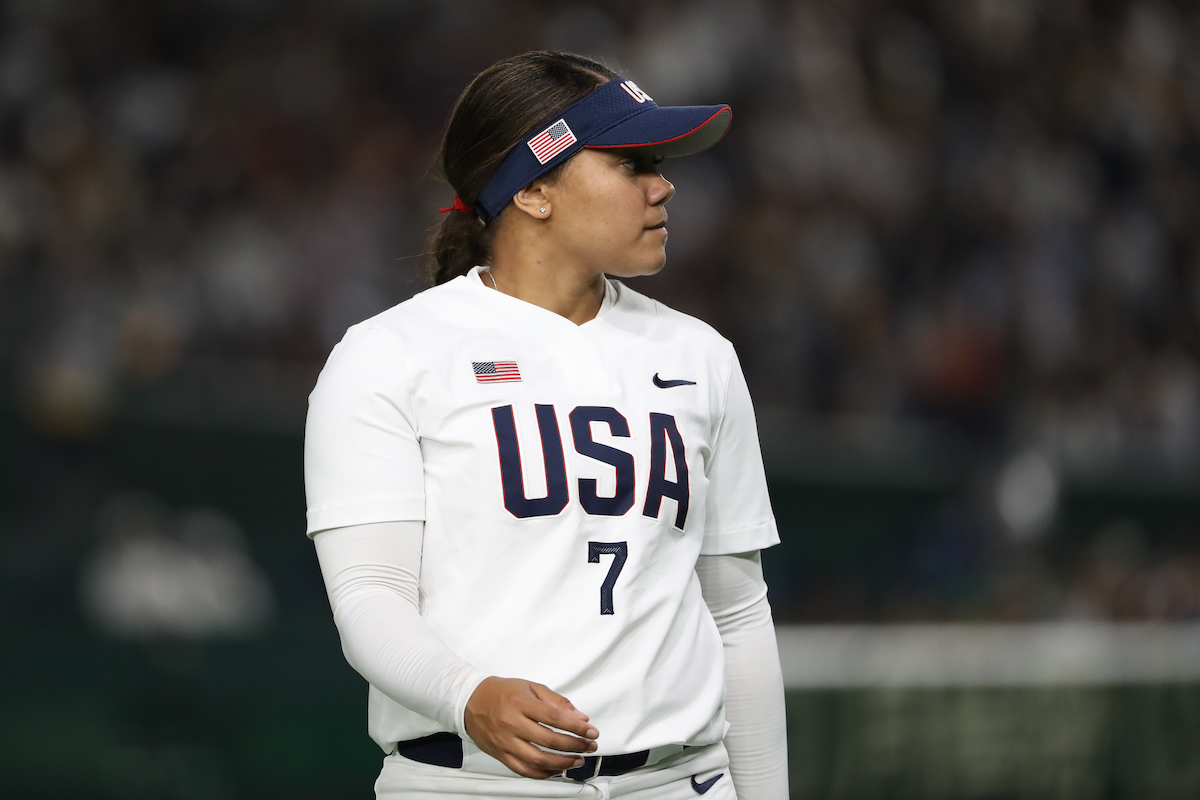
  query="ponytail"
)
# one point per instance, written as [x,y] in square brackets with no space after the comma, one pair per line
[459,242]
[499,107]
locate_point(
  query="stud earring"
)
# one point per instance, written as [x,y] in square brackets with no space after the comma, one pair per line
[542,209]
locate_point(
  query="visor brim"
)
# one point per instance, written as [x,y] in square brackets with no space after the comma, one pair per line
[668,130]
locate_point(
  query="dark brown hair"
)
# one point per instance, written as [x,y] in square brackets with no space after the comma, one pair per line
[497,109]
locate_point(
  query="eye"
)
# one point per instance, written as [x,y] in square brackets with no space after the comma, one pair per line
[642,163]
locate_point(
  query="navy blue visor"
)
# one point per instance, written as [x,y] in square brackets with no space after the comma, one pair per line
[614,116]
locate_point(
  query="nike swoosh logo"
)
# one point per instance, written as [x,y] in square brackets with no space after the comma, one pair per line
[701,788]
[660,383]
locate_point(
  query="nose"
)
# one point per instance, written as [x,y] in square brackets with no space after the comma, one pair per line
[661,190]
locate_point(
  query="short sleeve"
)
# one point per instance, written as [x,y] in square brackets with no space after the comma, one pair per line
[738,515]
[362,457]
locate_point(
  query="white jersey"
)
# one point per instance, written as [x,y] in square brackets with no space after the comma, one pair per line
[569,476]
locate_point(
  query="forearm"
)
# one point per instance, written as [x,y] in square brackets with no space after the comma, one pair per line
[371,574]
[754,702]
[754,707]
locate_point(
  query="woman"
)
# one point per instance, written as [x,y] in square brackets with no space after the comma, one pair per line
[537,496]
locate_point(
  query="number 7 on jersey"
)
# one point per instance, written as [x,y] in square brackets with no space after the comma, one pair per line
[619,551]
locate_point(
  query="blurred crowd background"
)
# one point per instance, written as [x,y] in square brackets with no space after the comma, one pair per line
[954,241]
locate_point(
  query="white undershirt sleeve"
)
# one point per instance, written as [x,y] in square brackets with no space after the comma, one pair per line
[736,595]
[371,573]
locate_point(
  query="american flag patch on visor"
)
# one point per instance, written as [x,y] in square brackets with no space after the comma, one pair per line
[495,371]
[552,141]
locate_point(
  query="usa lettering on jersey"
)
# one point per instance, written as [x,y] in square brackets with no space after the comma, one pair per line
[664,437]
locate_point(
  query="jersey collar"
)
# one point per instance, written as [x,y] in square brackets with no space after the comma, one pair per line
[475,276]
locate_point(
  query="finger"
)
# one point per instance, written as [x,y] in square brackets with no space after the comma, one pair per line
[547,709]
[527,730]
[512,752]
[556,718]
[548,695]
[551,763]
[544,737]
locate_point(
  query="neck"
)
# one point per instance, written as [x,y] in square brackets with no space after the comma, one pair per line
[536,275]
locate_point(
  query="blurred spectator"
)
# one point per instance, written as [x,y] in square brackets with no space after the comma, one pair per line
[976,214]
[153,575]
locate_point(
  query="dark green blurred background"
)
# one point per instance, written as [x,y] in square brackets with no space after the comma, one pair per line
[281,715]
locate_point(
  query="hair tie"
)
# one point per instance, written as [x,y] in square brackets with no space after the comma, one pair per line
[458,205]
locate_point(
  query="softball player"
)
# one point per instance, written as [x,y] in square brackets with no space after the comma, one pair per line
[536,495]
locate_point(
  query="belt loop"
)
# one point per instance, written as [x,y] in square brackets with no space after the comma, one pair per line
[599,761]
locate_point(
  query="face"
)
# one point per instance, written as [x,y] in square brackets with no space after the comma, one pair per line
[608,212]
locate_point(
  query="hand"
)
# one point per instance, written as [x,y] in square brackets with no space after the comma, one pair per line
[507,717]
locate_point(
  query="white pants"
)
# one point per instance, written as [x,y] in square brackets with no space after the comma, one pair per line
[680,777]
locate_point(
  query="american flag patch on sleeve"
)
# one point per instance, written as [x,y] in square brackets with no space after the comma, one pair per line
[495,371]
[552,141]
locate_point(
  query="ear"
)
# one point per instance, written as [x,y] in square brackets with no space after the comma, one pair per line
[534,200]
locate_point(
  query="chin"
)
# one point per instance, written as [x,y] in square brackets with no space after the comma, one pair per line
[639,272]
[657,268]
[653,265]
[646,264]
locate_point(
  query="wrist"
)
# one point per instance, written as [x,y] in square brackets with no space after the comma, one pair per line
[465,692]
